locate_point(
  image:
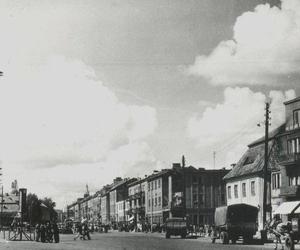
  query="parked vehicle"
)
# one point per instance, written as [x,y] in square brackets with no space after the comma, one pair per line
[176,226]
[234,221]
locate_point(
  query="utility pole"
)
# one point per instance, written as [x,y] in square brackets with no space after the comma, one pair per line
[265,171]
[184,187]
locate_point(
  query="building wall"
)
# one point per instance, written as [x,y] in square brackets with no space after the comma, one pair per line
[105,206]
[154,199]
[205,190]
[112,204]
[121,215]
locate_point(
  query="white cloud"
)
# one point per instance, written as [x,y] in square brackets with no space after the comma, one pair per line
[231,125]
[60,125]
[264,47]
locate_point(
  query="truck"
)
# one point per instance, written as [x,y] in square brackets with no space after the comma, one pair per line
[233,222]
[176,226]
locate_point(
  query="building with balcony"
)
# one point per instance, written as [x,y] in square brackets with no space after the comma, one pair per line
[135,204]
[289,152]
[118,194]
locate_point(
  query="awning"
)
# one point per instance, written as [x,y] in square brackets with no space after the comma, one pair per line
[287,207]
[297,211]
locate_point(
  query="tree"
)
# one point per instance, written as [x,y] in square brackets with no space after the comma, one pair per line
[33,210]
[50,204]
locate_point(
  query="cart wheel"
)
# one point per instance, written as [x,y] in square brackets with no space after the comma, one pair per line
[224,237]
[213,240]
[289,243]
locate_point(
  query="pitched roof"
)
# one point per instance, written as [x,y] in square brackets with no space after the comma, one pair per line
[252,162]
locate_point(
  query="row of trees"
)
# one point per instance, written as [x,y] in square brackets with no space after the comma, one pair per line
[35,208]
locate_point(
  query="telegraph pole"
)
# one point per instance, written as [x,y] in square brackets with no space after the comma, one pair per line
[265,171]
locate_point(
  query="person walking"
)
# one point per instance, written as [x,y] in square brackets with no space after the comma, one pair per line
[79,232]
[43,233]
[55,233]
[86,231]
[37,232]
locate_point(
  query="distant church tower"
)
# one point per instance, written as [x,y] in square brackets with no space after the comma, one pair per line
[183,161]
[87,192]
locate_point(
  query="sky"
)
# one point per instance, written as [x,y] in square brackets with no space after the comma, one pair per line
[93,90]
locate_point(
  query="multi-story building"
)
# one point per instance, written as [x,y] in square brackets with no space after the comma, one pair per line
[105,206]
[245,182]
[118,195]
[205,190]
[164,195]
[135,204]
[289,152]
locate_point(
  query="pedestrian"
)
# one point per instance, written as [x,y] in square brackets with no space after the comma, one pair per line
[49,234]
[79,232]
[55,233]
[86,231]
[43,233]
[37,232]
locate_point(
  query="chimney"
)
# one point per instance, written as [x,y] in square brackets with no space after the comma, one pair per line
[176,165]
[117,179]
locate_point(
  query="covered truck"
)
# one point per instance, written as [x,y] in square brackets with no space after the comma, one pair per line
[234,221]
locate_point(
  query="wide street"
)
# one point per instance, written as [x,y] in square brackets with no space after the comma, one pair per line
[128,241]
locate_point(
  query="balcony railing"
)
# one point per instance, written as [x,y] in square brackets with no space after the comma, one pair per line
[290,191]
[289,159]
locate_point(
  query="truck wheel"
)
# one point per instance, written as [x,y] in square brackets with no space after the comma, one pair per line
[289,243]
[224,237]
[167,236]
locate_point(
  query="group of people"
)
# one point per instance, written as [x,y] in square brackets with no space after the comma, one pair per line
[47,232]
[82,231]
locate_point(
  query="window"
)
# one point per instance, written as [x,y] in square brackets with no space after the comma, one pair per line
[155,184]
[159,201]
[236,194]
[293,146]
[229,192]
[294,180]
[276,180]
[149,203]
[252,184]
[296,118]
[148,186]
[155,201]
[244,189]
[158,183]
[151,185]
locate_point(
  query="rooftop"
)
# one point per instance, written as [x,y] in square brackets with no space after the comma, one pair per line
[252,162]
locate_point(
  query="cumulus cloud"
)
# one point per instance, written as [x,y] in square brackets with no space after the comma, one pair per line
[60,125]
[231,125]
[265,46]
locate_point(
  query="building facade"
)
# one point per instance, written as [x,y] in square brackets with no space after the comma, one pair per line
[135,204]
[205,190]
[289,152]
[245,182]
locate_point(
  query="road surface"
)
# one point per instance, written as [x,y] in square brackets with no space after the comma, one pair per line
[128,241]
